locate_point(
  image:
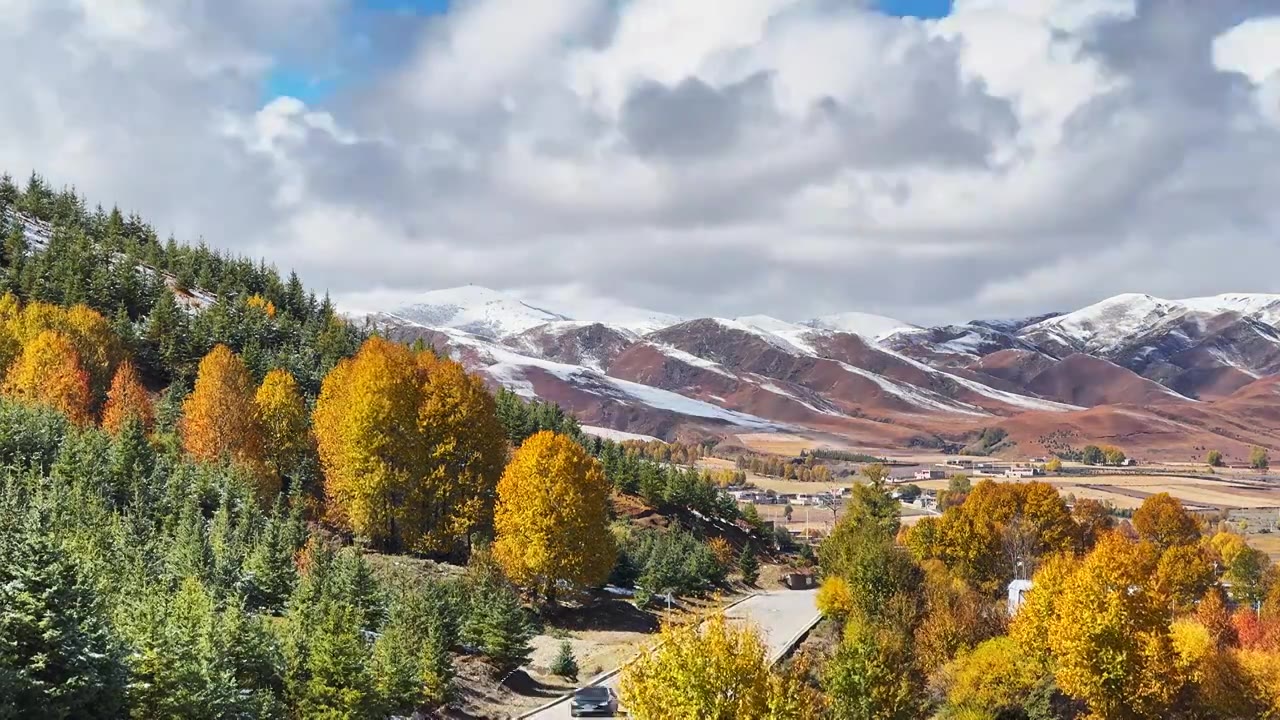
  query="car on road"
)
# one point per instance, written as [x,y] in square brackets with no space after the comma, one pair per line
[593,701]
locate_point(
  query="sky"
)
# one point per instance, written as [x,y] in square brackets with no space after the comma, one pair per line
[934,161]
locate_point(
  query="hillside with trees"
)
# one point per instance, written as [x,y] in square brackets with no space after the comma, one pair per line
[199,462]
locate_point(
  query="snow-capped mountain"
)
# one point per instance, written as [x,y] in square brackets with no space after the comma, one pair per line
[1110,371]
[474,309]
[867,325]
[495,314]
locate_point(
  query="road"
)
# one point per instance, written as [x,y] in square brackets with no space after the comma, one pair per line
[780,615]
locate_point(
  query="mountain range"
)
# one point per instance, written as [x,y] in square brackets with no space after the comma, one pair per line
[1164,379]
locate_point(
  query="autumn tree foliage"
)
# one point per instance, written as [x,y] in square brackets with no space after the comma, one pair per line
[91,334]
[466,453]
[1162,520]
[670,681]
[410,447]
[127,399]
[220,420]
[1106,630]
[999,531]
[285,429]
[49,372]
[552,517]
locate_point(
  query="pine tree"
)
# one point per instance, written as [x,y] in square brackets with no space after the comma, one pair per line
[58,655]
[565,665]
[749,566]
[497,625]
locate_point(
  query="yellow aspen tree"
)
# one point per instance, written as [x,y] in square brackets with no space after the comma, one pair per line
[88,331]
[48,372]
[466,450]
[220,420]
[714,672]
[10,344]
[126,399]
[366,428]
[552,517]
[1110,637]
[287,439]
[96,341]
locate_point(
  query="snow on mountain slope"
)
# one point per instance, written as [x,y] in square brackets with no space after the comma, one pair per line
[1263,307]
[872,327]
[637,320]
[1107,325]
[1103,326]
[510,369]
[791,334]
[474,309]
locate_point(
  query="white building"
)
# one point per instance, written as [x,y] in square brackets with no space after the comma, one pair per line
[1021,471]
[930,474]
[1017,595]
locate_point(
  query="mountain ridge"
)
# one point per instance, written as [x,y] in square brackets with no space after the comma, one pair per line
[1127,362]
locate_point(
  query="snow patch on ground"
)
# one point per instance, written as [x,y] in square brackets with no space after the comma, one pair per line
[617,435]
[916,396]
[776,390]
[509,368]
[1022,401]
[691,359]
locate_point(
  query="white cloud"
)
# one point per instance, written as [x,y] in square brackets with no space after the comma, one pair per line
[788,157]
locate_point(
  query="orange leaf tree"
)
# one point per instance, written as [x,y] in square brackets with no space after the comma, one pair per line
[48,372]
[87,330]
[220,420]
[552,517]
[127,399]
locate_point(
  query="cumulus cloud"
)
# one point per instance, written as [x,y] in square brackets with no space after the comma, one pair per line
[790,157]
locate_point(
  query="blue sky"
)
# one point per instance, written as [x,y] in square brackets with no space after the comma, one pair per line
[313,84]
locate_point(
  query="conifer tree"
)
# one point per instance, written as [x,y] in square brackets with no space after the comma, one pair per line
[58,655]
[565,665]
[749,566]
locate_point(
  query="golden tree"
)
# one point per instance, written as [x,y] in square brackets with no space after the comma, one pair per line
[466,450]
[284,422]
[835,599]
[552,517]
[1162,520]
[1110,636]
[716,672]
[88,331]
[220,420]
[410,446]
[366,427]
[48,372]
[127,399]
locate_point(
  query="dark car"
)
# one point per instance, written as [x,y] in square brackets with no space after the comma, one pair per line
[593,701]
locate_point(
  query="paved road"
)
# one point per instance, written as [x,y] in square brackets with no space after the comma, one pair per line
[780,615]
